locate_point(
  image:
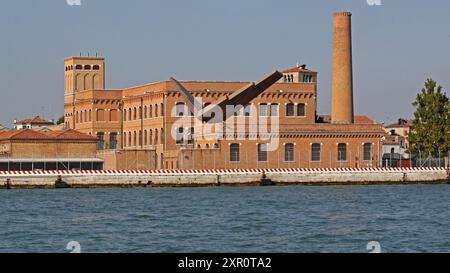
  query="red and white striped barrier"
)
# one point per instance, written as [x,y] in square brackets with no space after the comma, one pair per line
[219,171]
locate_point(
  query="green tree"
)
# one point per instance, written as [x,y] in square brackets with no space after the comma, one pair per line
[431,123]
[60,120]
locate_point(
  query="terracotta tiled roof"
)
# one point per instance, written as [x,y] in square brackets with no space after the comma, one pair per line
[70,134]
[400,124]
[36,120]
[297,69]
[29,134]
[357,119]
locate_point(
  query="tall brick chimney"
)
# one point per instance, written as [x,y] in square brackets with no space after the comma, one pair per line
[342,87]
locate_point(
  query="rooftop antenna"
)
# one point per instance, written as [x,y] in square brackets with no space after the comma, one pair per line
[80,53]
[96,54]
[88,54]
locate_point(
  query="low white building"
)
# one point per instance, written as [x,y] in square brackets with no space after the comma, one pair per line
[32,123]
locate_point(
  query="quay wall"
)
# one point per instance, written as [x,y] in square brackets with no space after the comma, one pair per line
[229,177]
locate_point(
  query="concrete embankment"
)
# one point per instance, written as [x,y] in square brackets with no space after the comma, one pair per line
[202,178]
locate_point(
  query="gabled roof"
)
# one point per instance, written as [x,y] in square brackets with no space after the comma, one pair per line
[35,120]
[357,119]
[401,123]
[69,134]
[23,134]
[29,134]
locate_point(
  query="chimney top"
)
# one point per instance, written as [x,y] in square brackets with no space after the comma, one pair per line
[343,13]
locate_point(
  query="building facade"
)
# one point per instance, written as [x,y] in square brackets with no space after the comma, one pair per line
[154,126]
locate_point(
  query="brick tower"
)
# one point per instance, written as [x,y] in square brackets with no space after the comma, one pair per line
[81,73]
[342,86]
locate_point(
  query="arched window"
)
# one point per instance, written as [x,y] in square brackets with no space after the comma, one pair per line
[140,138]
[180,135]
[290,110]
[134,113]
[247,110]
[151,137]
[140,112]
[162,136]
[315,152]
[85,115]
[234,152]
[77,120]
[100,115]
[156,136]
[124,114]
[81,117]
[90,115]
[113,115]
[124,139]
[162,161]
[289,152]
[368,150]
[263,110]
[129,139]
[301,111]
[162,109]
[145,111]
[179,109]
[262,152]
[150,111]
[156,110]
[78,67]
[145,138]
[134,138]
[96,67]
[274,110]
[87,67]
[342,152]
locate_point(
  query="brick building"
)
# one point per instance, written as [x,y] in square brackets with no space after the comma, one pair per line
[29,149]
[272,123]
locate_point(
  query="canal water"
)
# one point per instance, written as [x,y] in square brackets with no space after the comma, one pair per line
[242,219]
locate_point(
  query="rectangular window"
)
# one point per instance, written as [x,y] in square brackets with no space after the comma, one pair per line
[368,151]
[289,152]
[112,141]
[190,137]
[101,141]
[262,152]
[234,152]
[342,152]
[315,152]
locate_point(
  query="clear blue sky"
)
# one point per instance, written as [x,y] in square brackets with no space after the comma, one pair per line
[396,46]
